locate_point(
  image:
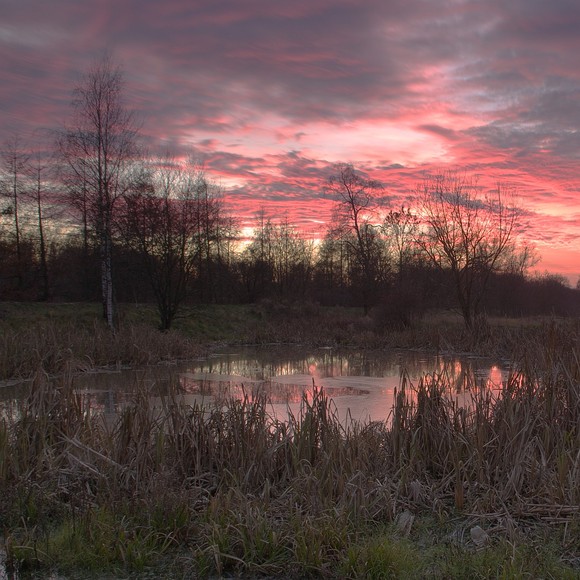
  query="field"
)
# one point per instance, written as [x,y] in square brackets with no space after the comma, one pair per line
[489,491]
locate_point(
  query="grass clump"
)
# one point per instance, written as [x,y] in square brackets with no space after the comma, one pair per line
[58,347]
[383,556]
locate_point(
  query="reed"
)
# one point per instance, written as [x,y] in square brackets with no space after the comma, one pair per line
[58,346]
[226,488]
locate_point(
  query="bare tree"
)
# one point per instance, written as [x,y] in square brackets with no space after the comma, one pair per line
[160,220]
[97,149]
[354,194]
[256,263]
[279,260]
[400,228]
[519,258]
[39,193]
[15,159]
[467,231]
[215,230]
[332,268]
[293,260]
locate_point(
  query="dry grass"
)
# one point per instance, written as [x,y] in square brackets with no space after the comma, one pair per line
[57,336]
[64,345]
[229,489]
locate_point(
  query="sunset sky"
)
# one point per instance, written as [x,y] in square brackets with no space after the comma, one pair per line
[269,94]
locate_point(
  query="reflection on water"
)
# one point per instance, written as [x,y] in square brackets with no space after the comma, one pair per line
[360,383]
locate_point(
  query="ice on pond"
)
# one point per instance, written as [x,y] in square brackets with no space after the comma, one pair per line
[361,384]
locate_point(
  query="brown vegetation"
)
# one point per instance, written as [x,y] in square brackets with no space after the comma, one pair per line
[60,346]
[228,489]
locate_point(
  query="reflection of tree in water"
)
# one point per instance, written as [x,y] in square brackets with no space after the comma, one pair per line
[249,369]
[464,375]
[265,363]
[461,376]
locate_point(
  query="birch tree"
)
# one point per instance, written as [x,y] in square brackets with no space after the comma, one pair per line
[97,148]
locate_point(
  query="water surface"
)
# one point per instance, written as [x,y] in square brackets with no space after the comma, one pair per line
[360,383]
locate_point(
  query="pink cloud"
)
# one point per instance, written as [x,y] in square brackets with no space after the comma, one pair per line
[270,94]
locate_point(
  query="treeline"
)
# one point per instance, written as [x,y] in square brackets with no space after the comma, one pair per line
[92,217]
[208,262]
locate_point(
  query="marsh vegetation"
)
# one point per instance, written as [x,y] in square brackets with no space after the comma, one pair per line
[439,490]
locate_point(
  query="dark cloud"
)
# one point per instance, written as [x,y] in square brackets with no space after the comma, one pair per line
[449,134]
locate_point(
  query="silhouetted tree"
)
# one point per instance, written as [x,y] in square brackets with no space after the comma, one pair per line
[278,261]
[170,219]
[77,199]
[13,184]
[354,195]
[400,229]
[468,232]
[256,263]
[39,193]
[215,233]
[332,263]
[97,149]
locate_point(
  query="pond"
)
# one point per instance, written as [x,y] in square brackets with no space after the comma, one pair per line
[360,383]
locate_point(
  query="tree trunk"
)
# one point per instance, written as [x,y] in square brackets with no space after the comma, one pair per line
[44,294]
[107,280]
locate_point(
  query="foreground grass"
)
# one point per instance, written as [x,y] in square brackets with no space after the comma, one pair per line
[487,491]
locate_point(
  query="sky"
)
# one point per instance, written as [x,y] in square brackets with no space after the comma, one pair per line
[269,95]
